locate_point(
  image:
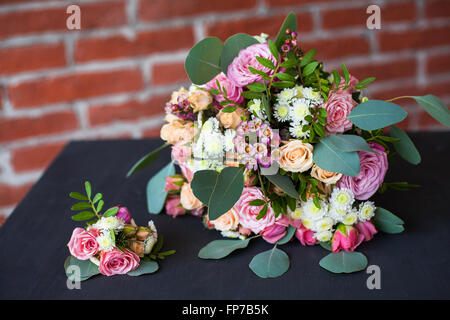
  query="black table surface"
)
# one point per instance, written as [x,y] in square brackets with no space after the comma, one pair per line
[414,264]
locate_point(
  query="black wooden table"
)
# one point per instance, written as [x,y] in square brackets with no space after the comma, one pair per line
[414,264]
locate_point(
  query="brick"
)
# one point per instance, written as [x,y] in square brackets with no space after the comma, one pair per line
[2,219]
[73,87]
[438,89]
[4,2]
[154,10]
[357,17]
[385,70]
[18,128]
[438,64]
[145,43]
[337,47]
[151,133]
[11,195]
[437,9]
[168,73]
[34,157]
[93,15]
[129,111]
[254,26]
[19,59]
[281,3]
[414,39]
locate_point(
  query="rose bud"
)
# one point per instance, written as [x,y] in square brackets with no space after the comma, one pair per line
[129,230]
[346,238]
[123,214]
[174,183]
[142,233]
[137,247]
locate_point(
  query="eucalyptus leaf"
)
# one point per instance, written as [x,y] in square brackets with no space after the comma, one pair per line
[86,267]
[289,234]
[289,23]
[344,262]
[203,61]
[435,107]
[146,160]
[387,222]
[329,158]
[284,183]
[145,267]
[325,245]
[405,147]
[156,195]
[219,191]
[270,264]
[349,143]
[219,249]
[376,114]
[233,45]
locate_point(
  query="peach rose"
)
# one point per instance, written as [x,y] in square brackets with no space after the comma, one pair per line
[200,100]
[187,198]
[325,176]
[231,120]
[178,130]
[176,94]
[226,222]
[296,156]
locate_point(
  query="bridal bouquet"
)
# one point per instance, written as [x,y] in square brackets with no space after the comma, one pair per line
[271,145]
[111,243]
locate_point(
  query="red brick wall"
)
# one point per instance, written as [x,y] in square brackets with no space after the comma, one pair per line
[111,79]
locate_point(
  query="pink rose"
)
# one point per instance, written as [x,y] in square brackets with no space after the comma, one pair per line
[367,229]
[373,169]
[83,244]
[123,214]
[346,238]
[118,262]
[338,107]
[248,213]
[233,92]
[174,183]
[181,154]
[304,235]
[174,207]
[276,231]
[238,71]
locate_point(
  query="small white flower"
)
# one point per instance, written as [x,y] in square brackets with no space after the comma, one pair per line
[312,95]
[281,112]
[351,217]
[297,131]
[109,223]
[296,214]
[312,212]
[287,94]
[324,224]
[366,210]
[256,109]
[342,198]
[299,110]
[338,213]
[298,91]
[323,236]
[105,242]
[230,234]
[210,125]
[214,144]
[228,140]
[308,223]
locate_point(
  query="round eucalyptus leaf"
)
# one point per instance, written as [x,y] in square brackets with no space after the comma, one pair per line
[284,183]
[156,195]
[387,222]
[349,143]
[203,61]
[233,45]
[145,267]
[376,114]
[219,249]
[270,264]
[435,107]
[405,147]
[86,267]
[344,262]
[289,234]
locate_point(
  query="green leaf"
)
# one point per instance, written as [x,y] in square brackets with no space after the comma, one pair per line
[308,57]
[405,147]
[78,196]
[435,107]
[156,195]
[264,75]
[256,87]
[289,63]
[83,215]
[273,50]
[251,95]
[364,82]
[270,264]
[257,203]
[146,160]
[309,68]
[145,267]
[219,191]
[376,114]
[81,206]
[289,23]
[326,245]
[346,74]
[233,45]
[387,222]
[88,188]
[284,183]
[265,62]
[111,212]
[229,109]
[203,61]
[329,158]
[219,249]
[289,234]
[100,205]
[336,77]
[266,107]
[97,197]
[285,77]
[87,268]
[262,213]
[349,143]
[283,84]
[344,262]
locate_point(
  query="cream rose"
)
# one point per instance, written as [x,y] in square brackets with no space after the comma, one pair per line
[231,120]
[325,176]
[176,94]
[226,222]
[200,100]
[178,130]
[187,198]
[296,156]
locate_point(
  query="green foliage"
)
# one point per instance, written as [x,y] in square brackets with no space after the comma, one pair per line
[309,68]
[289,234]
[233,45]
[289,23]
[145,267]
[349,143]
[270,264]
[87,268]
[284,183]
[146,160]
[203,61]
[344,262]
[405,147]
[219,249]
[156,195]
[435,107]
[376,114]
[387,222]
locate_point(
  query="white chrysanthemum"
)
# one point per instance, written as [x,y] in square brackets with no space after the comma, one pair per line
[230,234]
[287,94]
[324,224]
[256,109]
[210,125]
[338,213]
[366,210]
[296,214]
[214,144]
[312,212]
[298,91]
[105,242]
[308,223]
[281,112]
[297,131]
[342,198]
[109,223]
[299,110]
[312,95]
[262,38]
[323,236]
[228,140]
[351,217]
